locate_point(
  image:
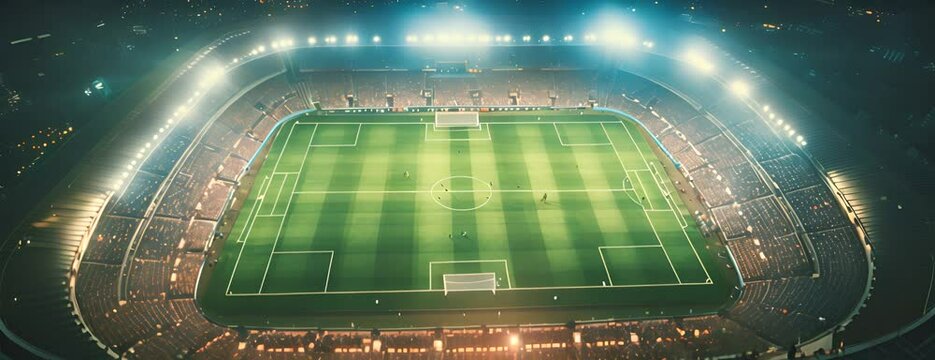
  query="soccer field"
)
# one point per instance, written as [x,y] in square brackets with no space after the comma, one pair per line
[388,221]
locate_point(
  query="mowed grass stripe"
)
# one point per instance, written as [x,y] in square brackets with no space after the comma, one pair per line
[432,222]
[334,212]
[529,263]
[492,239]
[539,142]
[364,231]
[577,209]
[626,149]
[396,243]
[463,222]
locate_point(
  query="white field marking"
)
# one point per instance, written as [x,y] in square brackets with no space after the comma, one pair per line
[600,250]
[606,270]
[655,233]
[269,215]
[671,206]
[460,191]
[356,137]
[645,192]
[488,191]
[487,128]
[285,173]
[279,195]
[244,244]
[616,153]
[506,268]
[301,252]
[482,123]
[560,141]
[251,214]
[546,288]
[286,211]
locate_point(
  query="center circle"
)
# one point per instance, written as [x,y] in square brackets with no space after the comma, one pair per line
[461,193]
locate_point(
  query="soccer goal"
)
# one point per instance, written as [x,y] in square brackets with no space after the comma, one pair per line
[470,282]
[448,119]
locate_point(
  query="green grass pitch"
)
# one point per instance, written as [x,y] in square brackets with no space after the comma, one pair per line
[357,220]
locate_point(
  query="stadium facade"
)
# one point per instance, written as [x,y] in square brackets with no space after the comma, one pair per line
[109,264]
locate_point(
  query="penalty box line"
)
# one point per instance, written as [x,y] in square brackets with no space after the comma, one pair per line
[670,203]
[356,137]
[261,198]
[560,141]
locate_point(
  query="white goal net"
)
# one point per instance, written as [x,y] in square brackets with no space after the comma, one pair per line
[470,282]
[445,119]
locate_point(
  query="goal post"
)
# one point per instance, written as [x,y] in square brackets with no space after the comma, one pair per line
[470,282]
[448,119]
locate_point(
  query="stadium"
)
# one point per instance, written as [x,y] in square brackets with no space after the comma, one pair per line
[598,192]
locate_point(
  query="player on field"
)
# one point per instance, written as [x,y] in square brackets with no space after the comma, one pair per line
[545,197]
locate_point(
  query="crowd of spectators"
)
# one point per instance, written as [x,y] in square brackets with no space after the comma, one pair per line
[800,260]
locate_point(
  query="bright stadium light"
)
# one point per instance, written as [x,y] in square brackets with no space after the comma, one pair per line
[211,76]
[568,38]
[527,38]
[376,39]
[507,38]
[590,38]
[514,340]
[331,39]
[484,38]
[546,38]
[412,39]
[699,62]
[740,88]
[351,39]
[312,40]
[649,44]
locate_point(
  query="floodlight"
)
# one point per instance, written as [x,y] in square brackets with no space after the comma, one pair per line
[376,39]
[514,340]
[568,38]
[507,38]
[698,61]
[740,88]
[590,37]
[412,39]
[351,39]
[211,76]
[546,38]
[648,44]
[312,40]
[527,38]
